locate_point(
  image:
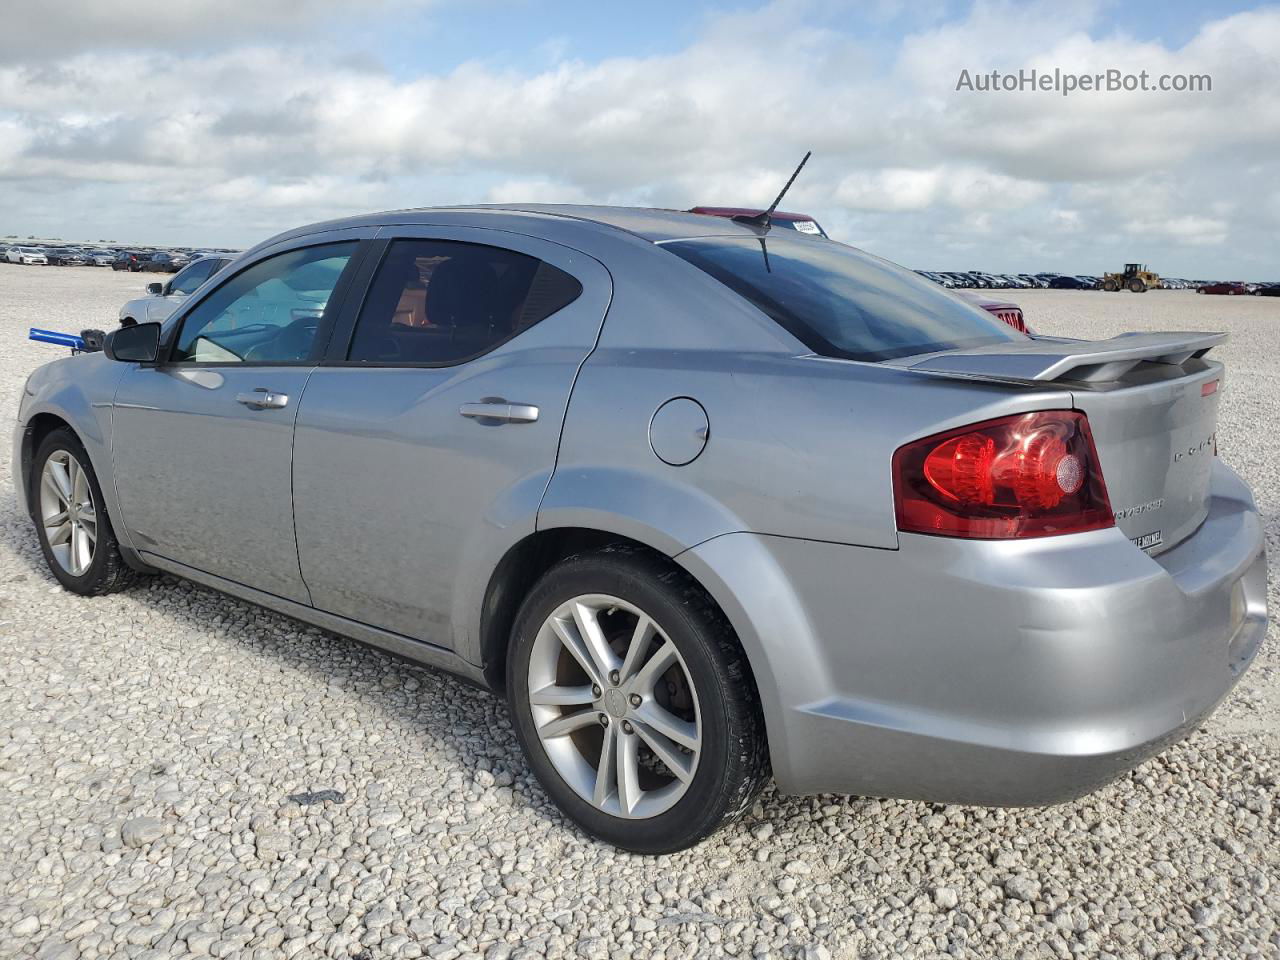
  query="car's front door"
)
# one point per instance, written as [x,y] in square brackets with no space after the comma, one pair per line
[426,439]
[202,442]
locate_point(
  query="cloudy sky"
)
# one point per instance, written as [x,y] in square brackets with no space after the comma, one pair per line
[220,121]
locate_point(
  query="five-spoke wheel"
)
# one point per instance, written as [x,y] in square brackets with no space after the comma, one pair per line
[67,512]
[614,706]
[633,702]
[71,518]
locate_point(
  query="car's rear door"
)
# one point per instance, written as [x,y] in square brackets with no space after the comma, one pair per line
[425,441]
[202,442]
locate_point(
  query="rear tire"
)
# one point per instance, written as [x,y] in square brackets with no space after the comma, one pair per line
[612,651]
[1137,286]
[71,519]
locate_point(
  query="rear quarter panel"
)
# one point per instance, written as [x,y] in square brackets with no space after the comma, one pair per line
[798,446]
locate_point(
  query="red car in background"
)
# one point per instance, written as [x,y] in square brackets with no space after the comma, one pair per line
[1010,313]
[800,222]
[1230,289]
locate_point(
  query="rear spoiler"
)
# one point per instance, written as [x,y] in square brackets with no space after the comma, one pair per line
[1044,359]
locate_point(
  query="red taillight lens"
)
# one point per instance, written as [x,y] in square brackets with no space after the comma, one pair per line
[1010,315]
[1014,319]
[1030,475]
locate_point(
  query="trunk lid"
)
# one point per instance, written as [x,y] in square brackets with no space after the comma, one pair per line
[1152,403]
[1157,441]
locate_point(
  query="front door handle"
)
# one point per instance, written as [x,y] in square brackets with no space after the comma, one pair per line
[500,411]
[263,399]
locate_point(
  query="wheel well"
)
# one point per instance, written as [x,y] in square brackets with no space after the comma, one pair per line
[515,576]
[39,427]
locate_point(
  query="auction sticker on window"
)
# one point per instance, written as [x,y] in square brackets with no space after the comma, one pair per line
[807,226]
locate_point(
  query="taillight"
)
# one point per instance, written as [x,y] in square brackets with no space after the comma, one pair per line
[1010,315]
[1029,475]
[1014,319]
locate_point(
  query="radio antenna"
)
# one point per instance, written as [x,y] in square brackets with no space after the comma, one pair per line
[763,219]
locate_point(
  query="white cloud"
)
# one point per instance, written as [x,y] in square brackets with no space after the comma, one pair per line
[965,187]
[1197,231]
[40,29]
[538,190]
[892,189]
[245,136]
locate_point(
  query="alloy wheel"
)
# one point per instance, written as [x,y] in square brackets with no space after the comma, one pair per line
[68,513]
[614,706]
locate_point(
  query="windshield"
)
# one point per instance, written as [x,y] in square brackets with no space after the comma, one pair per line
[841,302]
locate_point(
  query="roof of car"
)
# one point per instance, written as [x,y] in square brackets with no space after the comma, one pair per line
[651,223]
[751,212]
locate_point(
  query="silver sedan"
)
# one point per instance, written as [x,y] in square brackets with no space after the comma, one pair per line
[707,503]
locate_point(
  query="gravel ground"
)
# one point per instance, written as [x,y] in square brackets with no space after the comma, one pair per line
[153,747]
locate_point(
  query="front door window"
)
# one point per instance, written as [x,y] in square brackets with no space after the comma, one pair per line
[273,312]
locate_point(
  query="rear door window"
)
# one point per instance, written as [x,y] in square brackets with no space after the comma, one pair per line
[841,302]
[442,302]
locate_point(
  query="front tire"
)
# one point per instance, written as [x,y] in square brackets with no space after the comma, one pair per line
[71,519]
[634,702]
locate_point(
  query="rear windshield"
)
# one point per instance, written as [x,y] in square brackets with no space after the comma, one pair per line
[841,302]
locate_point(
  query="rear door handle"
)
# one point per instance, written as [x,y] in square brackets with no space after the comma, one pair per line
[263,399]
[497,409]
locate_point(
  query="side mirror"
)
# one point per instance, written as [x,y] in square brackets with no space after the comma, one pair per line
[139,343]
[155,289]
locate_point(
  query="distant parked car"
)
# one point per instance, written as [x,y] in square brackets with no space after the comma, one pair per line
[1229,289]
[1268,290]
[799,222]
[130,260]
[938,278]
[27,255]
[164,298]
[161,263]
[70,258]
[100,258]
[1067,283]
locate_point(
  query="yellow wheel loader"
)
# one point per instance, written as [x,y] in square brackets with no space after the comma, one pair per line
[1136,277]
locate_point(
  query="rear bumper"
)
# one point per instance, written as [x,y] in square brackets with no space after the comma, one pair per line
[995,673]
